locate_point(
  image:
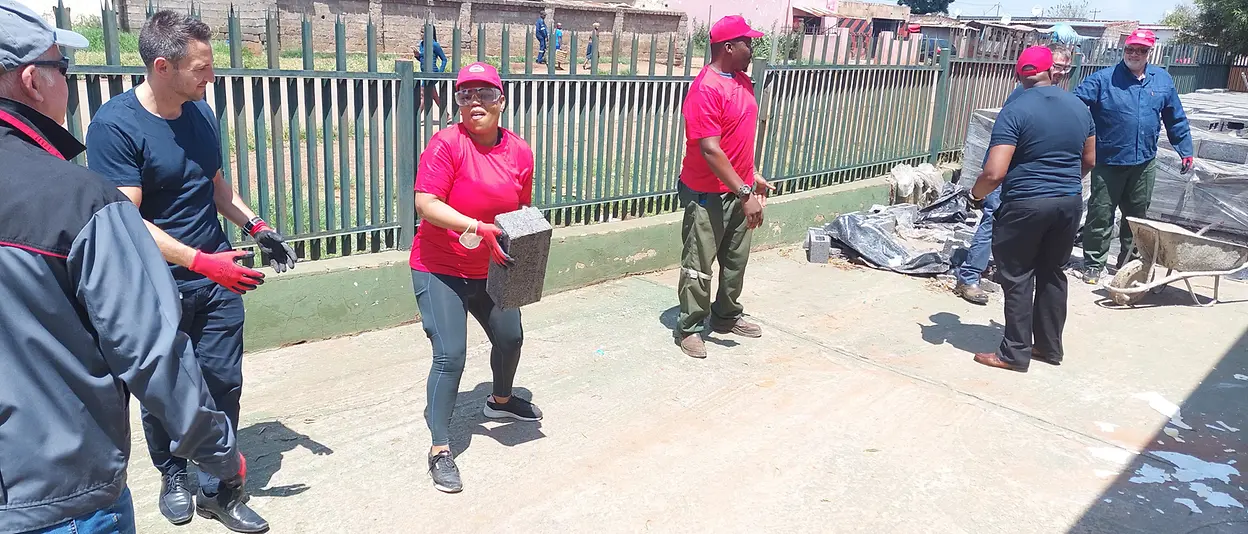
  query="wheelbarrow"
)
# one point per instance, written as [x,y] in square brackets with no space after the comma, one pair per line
[1189,253]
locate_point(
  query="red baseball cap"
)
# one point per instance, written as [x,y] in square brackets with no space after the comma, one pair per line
[1033,60]
[732,27]
[1144,38]
[479,72]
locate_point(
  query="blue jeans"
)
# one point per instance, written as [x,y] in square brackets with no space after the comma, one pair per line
[981,245]
[445,302]
[116,519]
[212,317]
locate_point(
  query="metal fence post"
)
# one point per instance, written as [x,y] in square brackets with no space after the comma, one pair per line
[406,125]
[759,72]
[940,114]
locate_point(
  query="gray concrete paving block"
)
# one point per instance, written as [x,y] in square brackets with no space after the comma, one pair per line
[820,247]
[1230,150]
[528,242]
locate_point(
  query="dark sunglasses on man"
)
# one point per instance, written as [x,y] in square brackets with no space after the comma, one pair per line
[59,64]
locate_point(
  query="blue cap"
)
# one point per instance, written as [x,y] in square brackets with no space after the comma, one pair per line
[24,35]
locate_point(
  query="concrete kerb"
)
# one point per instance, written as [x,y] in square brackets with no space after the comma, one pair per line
[345,296]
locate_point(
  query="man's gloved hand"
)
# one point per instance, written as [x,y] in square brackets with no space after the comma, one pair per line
[492,235]
[272,244]
[972,201]
[220,268]
[1188,163]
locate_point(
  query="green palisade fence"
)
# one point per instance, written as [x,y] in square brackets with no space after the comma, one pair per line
[324,141]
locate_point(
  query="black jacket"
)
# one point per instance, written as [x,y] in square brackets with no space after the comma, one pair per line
[88,314]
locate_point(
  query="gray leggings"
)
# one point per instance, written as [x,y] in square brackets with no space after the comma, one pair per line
[445,302]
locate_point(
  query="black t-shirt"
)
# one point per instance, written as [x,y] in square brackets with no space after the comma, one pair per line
[1048,127]
[173,161]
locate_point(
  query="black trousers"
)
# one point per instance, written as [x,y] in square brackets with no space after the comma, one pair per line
[1032,240]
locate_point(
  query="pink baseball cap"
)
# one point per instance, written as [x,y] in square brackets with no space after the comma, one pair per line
[479,72]
[732,27]
[1033,60]
[1144,38]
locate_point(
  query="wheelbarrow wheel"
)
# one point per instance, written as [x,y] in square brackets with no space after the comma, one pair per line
[1130,275]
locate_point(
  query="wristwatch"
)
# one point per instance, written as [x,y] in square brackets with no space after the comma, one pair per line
[251,224]
[745,191]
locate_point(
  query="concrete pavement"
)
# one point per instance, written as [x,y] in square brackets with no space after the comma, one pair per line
[859,411]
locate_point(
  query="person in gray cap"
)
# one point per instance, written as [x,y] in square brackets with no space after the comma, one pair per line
[90,316]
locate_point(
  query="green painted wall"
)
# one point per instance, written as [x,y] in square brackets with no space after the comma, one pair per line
[351,295]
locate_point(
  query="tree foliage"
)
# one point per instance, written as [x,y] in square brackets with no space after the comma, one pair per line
[1223,22]
[1073,10]
[925,7]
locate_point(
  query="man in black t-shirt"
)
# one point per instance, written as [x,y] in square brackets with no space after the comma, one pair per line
[1042,144]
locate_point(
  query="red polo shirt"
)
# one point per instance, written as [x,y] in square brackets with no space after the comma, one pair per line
[719,106]
[480,183]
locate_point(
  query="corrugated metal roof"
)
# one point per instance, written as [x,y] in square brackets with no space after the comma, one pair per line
[816,11]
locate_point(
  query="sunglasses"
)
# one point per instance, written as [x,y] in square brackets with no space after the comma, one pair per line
[484,95]
[58,64]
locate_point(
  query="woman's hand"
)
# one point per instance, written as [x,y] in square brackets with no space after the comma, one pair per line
[491,235]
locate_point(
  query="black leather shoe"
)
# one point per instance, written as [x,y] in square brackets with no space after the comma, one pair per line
[230,508]
[175,498]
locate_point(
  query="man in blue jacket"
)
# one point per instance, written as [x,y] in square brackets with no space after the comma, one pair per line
[542,34]
[89,317]
[1129,102]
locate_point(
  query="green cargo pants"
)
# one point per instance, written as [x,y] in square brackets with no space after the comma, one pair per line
[714,227]
[1125,187]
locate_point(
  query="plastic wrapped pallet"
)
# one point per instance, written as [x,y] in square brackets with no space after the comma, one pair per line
[1214,193]
[975,149]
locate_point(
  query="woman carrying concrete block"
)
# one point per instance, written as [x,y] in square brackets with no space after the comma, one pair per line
[468,174]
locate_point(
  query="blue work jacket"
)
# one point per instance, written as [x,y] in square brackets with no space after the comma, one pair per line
[1129,113]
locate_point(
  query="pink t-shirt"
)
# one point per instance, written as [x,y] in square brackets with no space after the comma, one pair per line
[719,106]
[478,182]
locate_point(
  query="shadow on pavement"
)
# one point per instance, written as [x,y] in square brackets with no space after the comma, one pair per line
[1193,486]
[974,338]
[264,444]
[468,420]
[670,316]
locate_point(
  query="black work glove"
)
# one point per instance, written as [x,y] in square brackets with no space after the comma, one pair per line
[970,200]
[273,245]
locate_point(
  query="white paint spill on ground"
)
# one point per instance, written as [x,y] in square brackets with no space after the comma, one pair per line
[1111,454]
[1108,501]
[1159,511]
[1241,377]
[1216,498]
[1164,407]
[1150,474]
[1189,468]
[1106,427]
[1226,426]
[1228,450]
[1190,504]
[1173,433]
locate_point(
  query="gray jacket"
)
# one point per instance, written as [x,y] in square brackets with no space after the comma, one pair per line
[88,315]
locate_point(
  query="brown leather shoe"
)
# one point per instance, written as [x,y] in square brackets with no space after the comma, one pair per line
[992,360]
[741,327]
[971,293]
[692,345]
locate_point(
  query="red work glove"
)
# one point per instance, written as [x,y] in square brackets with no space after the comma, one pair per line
[240,479]
[220,268]
[492,235]
[1188,163]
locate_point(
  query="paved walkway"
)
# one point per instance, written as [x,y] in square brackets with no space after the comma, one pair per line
[859,411]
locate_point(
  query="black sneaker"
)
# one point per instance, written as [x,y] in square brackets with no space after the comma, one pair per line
[175,499]
[444,472]
[515,408]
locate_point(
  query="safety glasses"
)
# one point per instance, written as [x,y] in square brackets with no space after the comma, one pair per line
[59,64]
[484,95]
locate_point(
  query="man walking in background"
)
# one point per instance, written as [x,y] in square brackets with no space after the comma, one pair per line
[159,144]
[976,262]
[89,316]
[722,195]
[1129,102]
[542,34]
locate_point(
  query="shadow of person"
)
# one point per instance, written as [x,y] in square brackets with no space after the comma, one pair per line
[948,328]
[264,444]
[671,317]
[468,419]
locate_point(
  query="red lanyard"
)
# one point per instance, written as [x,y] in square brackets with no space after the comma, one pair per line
[6,118]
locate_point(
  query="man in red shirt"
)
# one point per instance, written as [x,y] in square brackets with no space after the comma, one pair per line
[722,193]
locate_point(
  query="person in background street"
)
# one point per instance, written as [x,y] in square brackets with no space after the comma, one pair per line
[468,174]
[542,34]
[90,316]
[558,45]
[159,144]
[589,49]
[1042,144]
[1129,102]
[722,194]
[972,268]
[430,93]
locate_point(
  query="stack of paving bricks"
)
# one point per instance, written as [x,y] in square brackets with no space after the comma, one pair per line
[527,241]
